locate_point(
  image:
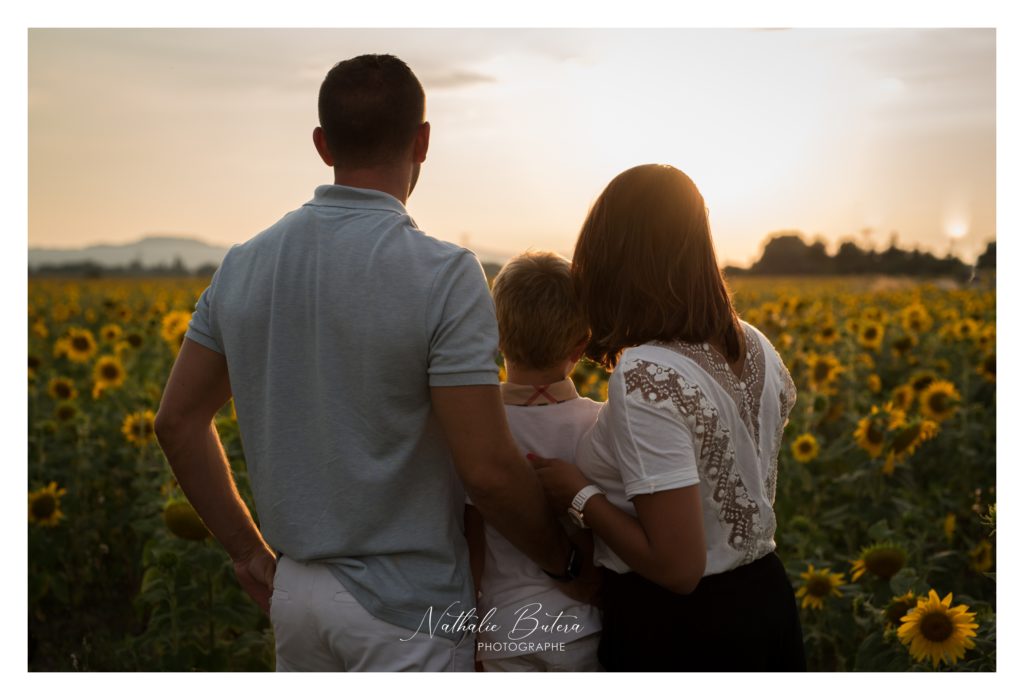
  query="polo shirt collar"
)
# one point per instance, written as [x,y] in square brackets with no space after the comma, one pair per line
[541,395]
[355,198]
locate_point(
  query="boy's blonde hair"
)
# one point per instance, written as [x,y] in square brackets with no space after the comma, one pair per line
[540,321]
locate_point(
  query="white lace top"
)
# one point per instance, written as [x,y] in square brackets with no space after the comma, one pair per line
[676,416]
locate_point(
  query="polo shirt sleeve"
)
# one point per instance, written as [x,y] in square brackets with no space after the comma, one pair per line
[202,327]
[654,445]
[462,330]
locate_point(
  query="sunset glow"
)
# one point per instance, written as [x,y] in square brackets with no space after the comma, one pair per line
[206,133]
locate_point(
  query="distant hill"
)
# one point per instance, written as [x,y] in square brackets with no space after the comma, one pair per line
[151,251]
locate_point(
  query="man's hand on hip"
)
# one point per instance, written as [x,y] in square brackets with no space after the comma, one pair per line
[255,573]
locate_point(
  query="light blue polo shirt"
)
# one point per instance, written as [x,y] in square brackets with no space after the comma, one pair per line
[335,323]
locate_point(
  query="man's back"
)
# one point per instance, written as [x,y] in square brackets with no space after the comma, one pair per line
[335,323]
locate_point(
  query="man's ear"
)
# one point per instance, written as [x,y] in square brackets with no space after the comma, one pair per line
[421,143]
[320,141]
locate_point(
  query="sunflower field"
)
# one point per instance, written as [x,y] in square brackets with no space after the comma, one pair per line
[885,498]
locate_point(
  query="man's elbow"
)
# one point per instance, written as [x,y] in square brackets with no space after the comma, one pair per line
[489,480]
[169,427]
[485,486]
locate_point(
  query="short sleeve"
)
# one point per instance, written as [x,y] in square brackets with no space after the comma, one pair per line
[462,330]
[654,446]
[201,327]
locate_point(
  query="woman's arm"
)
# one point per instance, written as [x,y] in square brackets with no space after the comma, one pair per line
[664,544]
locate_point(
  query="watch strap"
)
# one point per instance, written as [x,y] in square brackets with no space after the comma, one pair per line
[572,568]
[579,501]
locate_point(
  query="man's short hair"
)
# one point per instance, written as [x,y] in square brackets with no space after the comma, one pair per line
[540,321]
[370,107]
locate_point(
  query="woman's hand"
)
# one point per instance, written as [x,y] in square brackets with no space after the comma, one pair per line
[561,480]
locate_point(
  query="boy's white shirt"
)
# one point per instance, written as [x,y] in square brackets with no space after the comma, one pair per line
[523,598]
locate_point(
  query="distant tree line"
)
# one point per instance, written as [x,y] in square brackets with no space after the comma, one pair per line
[94,270]
[787,253]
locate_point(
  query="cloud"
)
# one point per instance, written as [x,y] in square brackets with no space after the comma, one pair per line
[454,79]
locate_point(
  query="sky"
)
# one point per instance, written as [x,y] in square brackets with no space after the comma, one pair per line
[838,133]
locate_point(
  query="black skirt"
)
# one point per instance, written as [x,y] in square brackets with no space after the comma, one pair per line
[745,619]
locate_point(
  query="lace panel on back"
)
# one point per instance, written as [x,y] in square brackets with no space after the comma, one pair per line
[746,390]
[729,498]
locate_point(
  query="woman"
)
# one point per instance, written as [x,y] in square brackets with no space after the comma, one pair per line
[677,477]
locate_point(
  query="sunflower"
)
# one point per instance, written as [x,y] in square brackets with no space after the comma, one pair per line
[60,312]
[938,401]
[34,363]
[108,373]
[919,381]
[871,429]
[874,313]
[986,337]
[39,328]
[110,332]
[138,428]
[866,360]
[907,441]
[78,345]
[823,371]
[949,526]
[65,411]
[916,319]
[62,389]
[134,339]
[903,345]
[874,383]
[987,368]
[871,334]
[911,437]
[44,505]
[818,585]
[935,630]
[964,329]
[805,448]
[827,334]
[903,396]
[980,557]
[173,328]
[883,560]
[870,435]
[898,607]
[183,521]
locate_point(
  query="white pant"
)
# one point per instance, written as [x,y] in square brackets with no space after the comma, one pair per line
[319,626]
[579,655]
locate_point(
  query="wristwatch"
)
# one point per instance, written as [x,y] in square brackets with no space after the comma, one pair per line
[572,568]
[579,502]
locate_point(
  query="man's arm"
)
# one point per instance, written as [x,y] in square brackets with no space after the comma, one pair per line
[501,484]
[477,542]
[197,388]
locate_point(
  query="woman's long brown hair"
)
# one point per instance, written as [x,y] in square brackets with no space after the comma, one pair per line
[645,268]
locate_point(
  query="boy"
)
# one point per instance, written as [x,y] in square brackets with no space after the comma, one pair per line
[541,333]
